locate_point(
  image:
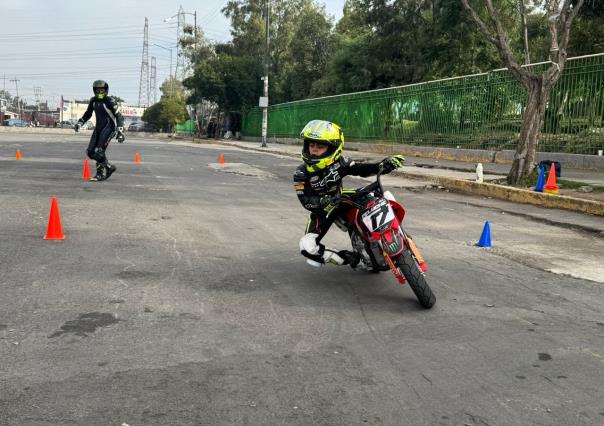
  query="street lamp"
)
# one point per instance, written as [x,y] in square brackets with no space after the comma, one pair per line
[171,77]
[264,99]
[165,48]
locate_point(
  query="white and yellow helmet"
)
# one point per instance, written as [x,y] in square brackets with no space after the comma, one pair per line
[324,132]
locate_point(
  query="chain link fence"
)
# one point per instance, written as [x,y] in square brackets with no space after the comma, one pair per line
[480,111]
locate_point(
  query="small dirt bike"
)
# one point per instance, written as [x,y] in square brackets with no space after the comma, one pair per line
[373,218]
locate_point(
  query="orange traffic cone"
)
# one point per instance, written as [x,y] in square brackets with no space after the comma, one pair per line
[54,230]
[18,154]
[86,171]
[221,159]
[551,187]
[137,158]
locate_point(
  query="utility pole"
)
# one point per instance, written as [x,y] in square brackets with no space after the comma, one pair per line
[153,79]
[16,80]
[143,91]
[195,88]
[264,102]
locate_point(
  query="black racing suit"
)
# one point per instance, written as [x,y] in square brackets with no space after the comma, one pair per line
[108,119]
[312,186]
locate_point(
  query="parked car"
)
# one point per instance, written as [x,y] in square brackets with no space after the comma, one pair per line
[67,124]
[137,126]
[16,122]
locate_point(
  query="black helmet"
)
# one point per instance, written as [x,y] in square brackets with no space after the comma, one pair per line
[100,88]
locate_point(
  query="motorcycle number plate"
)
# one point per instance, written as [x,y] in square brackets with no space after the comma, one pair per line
[378,216]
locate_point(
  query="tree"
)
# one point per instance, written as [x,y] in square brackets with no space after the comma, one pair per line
[559,15]
[299,43]
[4,94]
[305,57]
[152,116]
[170,110]
[381,44]
[588,33]
[173,111]
[172,88]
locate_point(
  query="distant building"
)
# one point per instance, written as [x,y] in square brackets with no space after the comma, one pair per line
[73,110]
[5,114]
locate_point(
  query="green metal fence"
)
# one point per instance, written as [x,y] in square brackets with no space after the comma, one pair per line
[481,111]
[186,127]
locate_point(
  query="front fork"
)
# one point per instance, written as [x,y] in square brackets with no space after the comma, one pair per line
[393,243]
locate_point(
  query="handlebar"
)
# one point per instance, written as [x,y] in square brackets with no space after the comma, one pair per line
[375,186]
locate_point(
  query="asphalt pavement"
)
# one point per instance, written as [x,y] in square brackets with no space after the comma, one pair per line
[179,297]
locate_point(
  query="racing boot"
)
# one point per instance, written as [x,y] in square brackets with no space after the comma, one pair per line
[110,169]
[101,173]
[342,257]
[350,258]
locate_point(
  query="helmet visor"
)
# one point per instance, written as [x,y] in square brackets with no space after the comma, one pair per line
[317,149]
[99,90]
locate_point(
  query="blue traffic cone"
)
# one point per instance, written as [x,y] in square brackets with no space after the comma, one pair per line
[485,237]
[540,180]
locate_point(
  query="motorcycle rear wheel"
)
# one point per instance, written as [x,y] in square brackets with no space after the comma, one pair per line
[415,277]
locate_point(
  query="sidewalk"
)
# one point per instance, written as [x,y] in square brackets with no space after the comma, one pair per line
[460,176]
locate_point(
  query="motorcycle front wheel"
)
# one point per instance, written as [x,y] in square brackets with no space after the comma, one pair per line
[415,277]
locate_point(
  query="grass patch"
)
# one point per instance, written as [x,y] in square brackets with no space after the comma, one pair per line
[573,184]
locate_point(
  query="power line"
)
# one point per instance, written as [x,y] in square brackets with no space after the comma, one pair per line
[130,28]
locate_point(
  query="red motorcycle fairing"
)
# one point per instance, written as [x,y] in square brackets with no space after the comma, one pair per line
[392,241]
[351,215]
[399,210]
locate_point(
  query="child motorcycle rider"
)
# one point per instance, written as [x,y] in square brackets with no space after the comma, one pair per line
[109,123]
[318,183]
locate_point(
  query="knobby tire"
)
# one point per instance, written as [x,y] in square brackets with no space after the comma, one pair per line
[415,277]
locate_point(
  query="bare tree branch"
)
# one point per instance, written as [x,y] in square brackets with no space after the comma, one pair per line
[551,16]
[500,40]
[523,29]
[568,16]
[483,27]
[564,16]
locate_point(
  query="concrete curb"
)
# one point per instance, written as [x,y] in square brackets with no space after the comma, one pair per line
[501,192]
[41,130]
[516,195]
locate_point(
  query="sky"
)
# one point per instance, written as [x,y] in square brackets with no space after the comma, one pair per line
[58,48]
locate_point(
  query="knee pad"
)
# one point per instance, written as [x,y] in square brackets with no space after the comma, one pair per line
[98,154]
[308,243]
[312,250]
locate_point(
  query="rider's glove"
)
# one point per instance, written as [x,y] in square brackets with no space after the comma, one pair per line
[78,125]
[391,163]
[120,134]
[328,202]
